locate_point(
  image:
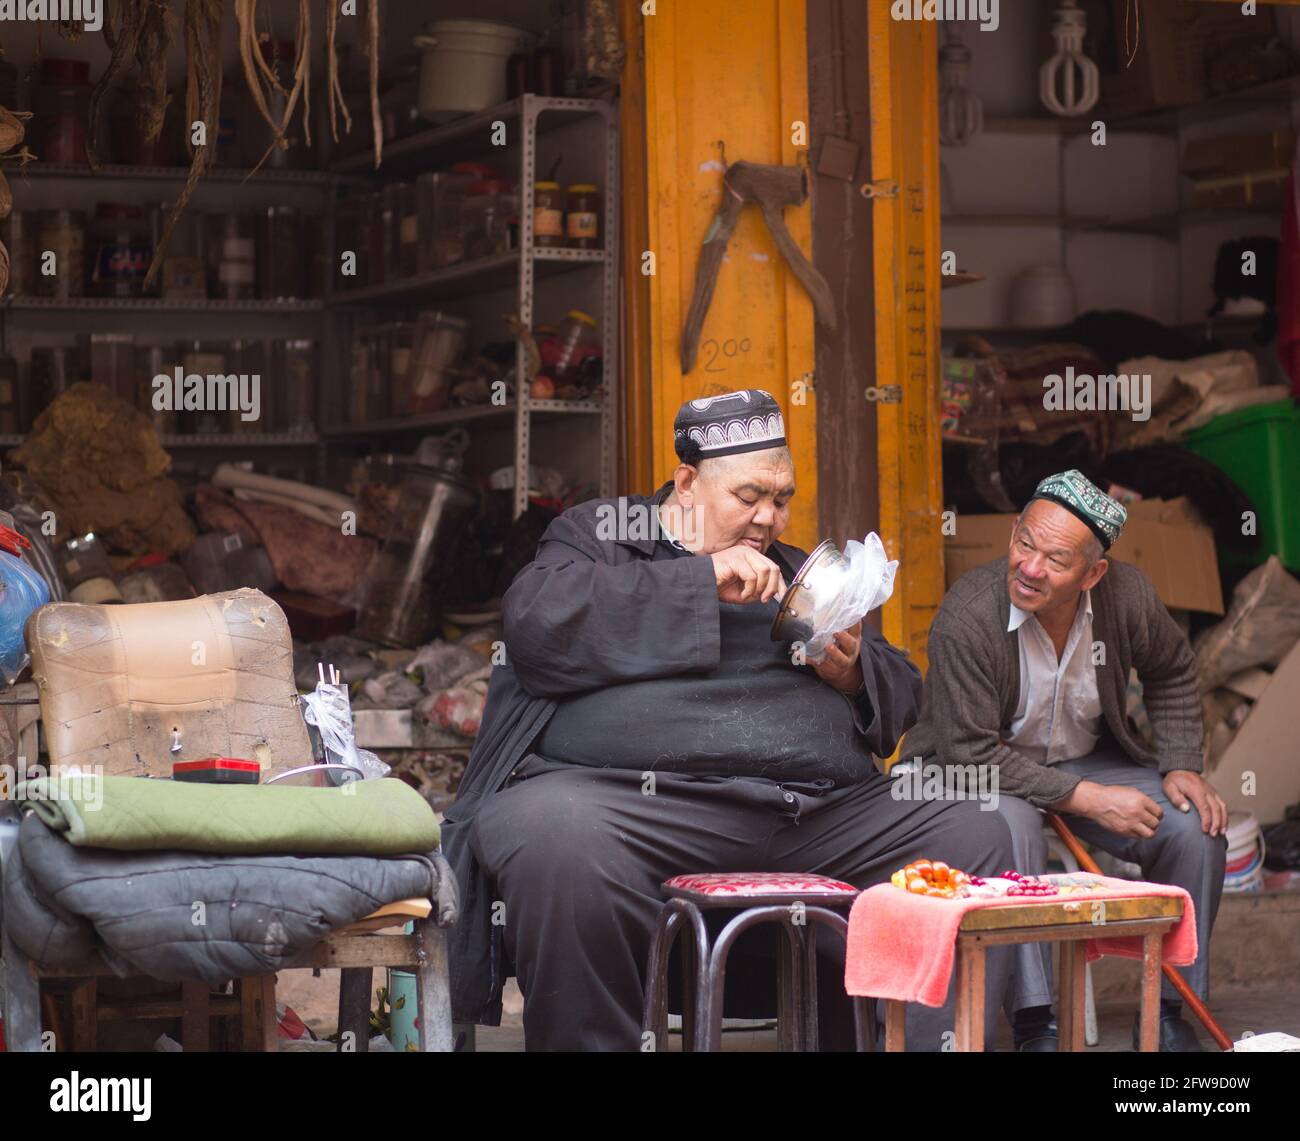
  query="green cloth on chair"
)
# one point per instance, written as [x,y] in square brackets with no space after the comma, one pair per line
[384,817]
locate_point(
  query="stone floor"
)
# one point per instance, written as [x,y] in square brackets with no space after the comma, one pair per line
[1255,1010]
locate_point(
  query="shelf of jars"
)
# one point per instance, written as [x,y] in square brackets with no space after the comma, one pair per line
[448,416]
[162,304]
[321,179]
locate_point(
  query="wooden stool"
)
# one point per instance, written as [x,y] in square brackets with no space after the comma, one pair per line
[786,898]
[1070,923]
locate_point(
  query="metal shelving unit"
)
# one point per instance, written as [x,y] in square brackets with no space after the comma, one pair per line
[523,268]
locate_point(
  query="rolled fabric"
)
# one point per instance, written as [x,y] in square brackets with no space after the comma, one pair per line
[229,476]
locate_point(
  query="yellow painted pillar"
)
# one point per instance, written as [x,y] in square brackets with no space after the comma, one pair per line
[728,80]
[905,238]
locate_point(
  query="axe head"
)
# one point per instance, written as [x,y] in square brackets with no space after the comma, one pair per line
[768,185]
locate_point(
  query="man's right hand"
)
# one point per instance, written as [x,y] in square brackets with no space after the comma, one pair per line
[743,575]
[1123,810]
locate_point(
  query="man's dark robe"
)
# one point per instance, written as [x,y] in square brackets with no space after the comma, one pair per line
[615,615]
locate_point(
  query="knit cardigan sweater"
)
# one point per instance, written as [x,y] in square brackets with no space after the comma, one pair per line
[972,688]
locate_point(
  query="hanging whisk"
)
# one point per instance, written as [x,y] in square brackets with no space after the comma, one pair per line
[961,114]
[1068,83]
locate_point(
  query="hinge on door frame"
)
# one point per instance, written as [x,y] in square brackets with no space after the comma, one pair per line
[881,188]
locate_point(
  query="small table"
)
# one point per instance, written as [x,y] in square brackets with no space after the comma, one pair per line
[1067,921]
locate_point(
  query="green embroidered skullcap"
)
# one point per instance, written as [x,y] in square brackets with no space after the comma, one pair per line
[1082,498]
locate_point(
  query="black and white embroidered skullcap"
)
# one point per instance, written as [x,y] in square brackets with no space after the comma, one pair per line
[725,425]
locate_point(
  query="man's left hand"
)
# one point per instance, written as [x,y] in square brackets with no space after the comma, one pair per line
[1184,787]
[840,666]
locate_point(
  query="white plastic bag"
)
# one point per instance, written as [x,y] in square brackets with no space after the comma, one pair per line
[329,709]
[867,581]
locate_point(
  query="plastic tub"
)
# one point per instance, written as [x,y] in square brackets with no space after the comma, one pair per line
[463,67]
[1259,449]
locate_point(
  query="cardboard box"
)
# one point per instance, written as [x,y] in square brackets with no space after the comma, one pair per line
[1238,154]
[1177,40]
[1163,538]
[1265,745]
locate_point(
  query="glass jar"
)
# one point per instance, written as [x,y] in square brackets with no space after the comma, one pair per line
[54,369]
[362,362]
[281,261]
[408,229]
[233,254]
[61,103]
[401,364]
[156,401]
[294,375]
[18,232]
[439,341]
[582,217]
[577,332]
[548,215]
[86,570]
[203,359]
[441,199]
[246,359]
[63,233]
[487,207]
[403,584]
[112,363]
[121,250]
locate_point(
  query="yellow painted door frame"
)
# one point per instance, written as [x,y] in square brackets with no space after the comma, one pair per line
[903,77]
[727,80]
[722,80]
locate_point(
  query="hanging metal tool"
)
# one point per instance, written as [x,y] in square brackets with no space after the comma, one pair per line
[772,188]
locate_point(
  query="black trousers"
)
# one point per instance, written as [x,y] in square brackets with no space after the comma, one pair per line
[578,854]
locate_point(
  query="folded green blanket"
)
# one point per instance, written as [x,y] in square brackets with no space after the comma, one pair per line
[372,817]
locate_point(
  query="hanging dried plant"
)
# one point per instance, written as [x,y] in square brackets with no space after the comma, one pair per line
[6,198]
[151,61]
[121,35]
[71,29]
[202,101]
[4,269]
[372,46]
[334,89]
[12,130]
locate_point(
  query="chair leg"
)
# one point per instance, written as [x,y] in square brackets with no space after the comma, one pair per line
[196,1017]
[83,1008]
[355,984]
[710,1033]
[808,952]
[433,988]
[654,1011]
[864,1009]
[257,1023]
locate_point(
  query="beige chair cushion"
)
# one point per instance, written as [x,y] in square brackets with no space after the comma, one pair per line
[115,681]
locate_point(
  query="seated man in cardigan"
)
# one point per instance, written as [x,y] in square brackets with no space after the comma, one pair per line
[644,725]
[1029,663]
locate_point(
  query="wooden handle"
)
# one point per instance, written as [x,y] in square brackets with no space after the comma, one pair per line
[1086,862]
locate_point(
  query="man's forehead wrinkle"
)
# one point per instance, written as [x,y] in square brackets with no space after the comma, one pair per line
[1050,530]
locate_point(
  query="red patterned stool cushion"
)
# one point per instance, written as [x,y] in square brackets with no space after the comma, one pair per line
[720,888]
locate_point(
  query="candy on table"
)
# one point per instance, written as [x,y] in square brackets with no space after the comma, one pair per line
[932,877]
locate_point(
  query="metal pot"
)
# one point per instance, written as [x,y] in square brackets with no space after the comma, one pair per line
[811,590]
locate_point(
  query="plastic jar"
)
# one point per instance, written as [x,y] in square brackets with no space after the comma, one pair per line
[408,229]
[152,361]
[487,206]
[234,258]
[62,232]
[548,215]
[582,217]
[576,333]
[440,203]
[294,376]
[122,249]
[282,262]
[62,103]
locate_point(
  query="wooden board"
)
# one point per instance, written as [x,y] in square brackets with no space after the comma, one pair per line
[1070,912]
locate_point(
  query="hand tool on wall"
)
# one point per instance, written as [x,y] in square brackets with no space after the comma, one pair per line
[1194,1004]
[772,188]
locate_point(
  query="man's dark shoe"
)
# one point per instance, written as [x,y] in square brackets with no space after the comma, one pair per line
[1176,1035]
[1034,1031]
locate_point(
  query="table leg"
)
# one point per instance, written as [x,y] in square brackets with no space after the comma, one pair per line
[1150,1032]
[970,996]
[895,1041]
[1073,988]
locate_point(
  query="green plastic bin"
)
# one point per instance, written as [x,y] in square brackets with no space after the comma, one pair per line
[1259,449]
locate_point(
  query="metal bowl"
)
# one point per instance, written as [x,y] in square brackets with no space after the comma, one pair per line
[817,582]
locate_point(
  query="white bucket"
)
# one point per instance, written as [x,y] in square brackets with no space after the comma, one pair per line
[463,68]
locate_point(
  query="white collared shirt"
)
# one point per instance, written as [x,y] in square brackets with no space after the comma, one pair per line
[1058,717]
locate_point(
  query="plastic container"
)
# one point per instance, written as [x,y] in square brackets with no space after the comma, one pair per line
[121,249]
[293,375]
[18,232]
[281,261]
[203,358]
[463,65]
[487,206]
[576,334]
[232,251]
[63,233]
[1259,449]
[61,103]
[582,217]
[440,200]
[403,584]
[548,215]
[206,561]
[440,339]
[112,363]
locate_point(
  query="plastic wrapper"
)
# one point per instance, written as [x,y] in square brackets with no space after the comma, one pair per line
[866,584]
[22,591]
[328,709]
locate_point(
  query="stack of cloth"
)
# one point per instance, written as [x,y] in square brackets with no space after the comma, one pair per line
[185,881]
